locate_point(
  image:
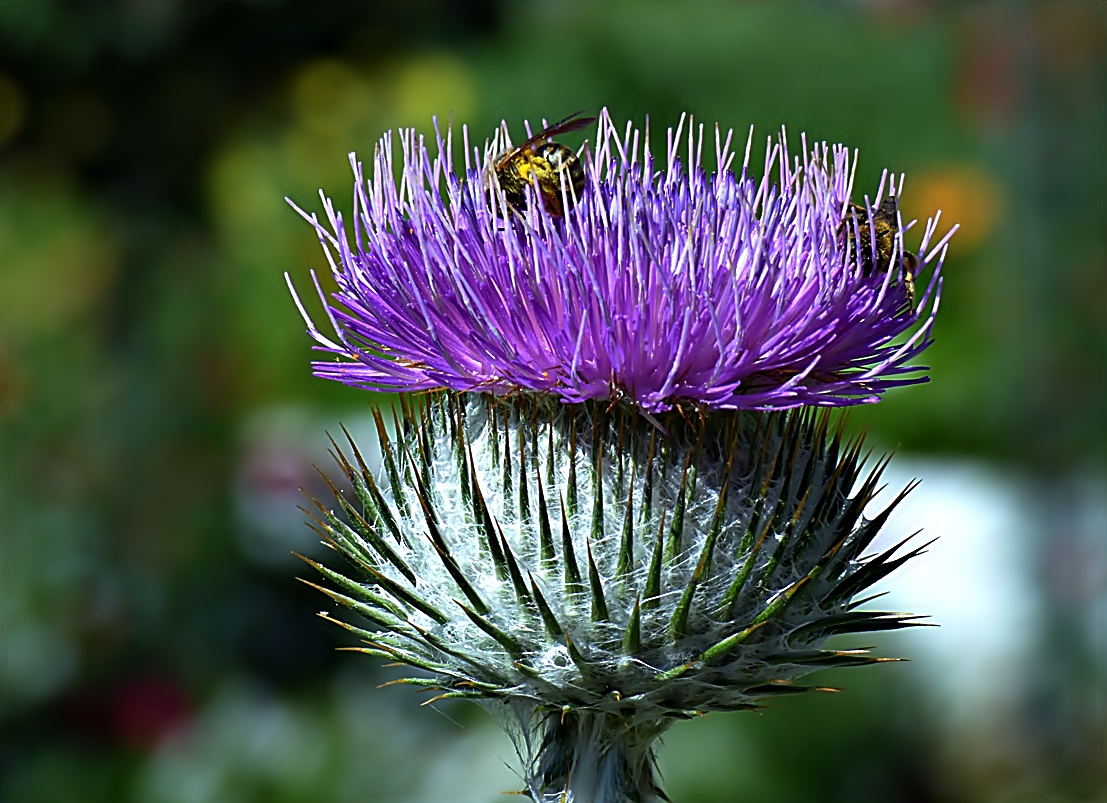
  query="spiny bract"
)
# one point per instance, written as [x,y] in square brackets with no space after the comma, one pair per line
[578,560]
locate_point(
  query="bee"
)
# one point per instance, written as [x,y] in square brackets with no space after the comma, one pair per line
[541,160]
[884,226]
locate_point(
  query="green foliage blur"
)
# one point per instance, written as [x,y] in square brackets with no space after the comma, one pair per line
[157,413]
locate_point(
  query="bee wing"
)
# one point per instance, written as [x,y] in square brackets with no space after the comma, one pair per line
[887,211]
[570,123]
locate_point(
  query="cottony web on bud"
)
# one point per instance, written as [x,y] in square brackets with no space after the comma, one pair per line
[613,508]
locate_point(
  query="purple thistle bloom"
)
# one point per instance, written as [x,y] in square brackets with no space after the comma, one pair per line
[662,285]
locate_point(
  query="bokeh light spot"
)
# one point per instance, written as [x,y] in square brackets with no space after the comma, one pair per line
[965,193]
[434,85]
[13,109]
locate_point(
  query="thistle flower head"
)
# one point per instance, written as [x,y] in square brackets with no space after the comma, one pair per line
[663,285]
[646,532]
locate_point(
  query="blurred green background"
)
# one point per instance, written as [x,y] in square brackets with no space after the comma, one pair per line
[157,415]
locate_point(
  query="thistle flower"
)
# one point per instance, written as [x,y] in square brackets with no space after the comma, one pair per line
[604,521]
[663,285]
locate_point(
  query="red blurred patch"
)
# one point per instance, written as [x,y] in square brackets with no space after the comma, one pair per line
[146,711]
[987,88]
[138,713]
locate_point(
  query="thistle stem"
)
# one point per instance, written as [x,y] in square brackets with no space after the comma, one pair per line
[590,757]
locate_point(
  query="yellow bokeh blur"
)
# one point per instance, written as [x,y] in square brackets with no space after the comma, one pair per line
[57,261]
[965,193]
[12,109]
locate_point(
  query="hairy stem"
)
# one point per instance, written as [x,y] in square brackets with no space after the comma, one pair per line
[590,757]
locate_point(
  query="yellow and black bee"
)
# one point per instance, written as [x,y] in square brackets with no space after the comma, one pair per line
[542,161]
[885,225]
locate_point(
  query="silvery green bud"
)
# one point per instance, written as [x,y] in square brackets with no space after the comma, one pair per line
[591,573]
